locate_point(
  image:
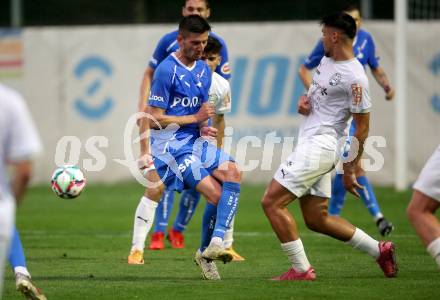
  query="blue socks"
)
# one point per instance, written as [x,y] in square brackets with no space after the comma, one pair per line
[338,196]
[208,224]
[188,203]
[163,211]
[226,208]
[16,253]
[367,195]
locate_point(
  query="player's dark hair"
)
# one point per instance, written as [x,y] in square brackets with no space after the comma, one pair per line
[206,2]
[213,46]
[341,21]
[193,24]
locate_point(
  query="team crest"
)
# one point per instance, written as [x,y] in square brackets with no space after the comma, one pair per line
[226,69]
[356,91]
[335,79]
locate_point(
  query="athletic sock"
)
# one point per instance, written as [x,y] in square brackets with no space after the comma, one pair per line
[434,249]
[226,208]
[362,241]
[188,203]
[338,196]
[296,254]
[143,220]
[208,224]
[163,211]
[16,254]
[368,197]
[229,235]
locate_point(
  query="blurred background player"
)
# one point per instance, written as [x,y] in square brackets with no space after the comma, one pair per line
[307,173]
[189,198]
[364,50]
[424,203]
[19,141]
[187,159]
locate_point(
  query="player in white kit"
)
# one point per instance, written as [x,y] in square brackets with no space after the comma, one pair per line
[424,203]
[18,143]
[339,90]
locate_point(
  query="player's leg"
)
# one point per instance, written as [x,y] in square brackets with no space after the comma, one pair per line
[227,173]
[275,202]
[229,240]
[187,206]
[369,199]
[17,260]
[337,199]
[314,210]
[144,217]
[7,213]
[163,213]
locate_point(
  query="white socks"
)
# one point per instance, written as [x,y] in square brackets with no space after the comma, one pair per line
[22,270]
[7,218]
[295,252]
[434,249]
[229,235]
[362,241]
[143,220]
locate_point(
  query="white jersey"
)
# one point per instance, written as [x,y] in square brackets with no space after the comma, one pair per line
[338,89]
[220,94]
[19,139]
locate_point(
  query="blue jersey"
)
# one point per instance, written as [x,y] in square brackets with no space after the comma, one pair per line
[168,44]
[180,91]
[363,47]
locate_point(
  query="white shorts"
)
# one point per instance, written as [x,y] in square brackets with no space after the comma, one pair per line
[308,169]
[429,179]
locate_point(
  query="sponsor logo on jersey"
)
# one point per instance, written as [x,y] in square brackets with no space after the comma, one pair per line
[335,79]
[225,68]
[356,91]
[186,102]
[186,163]
[156,98]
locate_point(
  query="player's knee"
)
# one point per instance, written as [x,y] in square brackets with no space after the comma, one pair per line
[232,174]
[154,193]
[267,203]
[214,196]
[413,212]
[315,223]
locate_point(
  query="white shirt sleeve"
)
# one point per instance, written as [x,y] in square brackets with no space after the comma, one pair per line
[23,141]
[359,95]
[220,94]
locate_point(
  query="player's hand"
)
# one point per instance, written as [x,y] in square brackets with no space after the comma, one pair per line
[350,182]
[304,106]
[205,112]
[145,163]
[389,92]
[208,132]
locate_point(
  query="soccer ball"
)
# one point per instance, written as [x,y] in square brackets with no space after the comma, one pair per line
[68,182]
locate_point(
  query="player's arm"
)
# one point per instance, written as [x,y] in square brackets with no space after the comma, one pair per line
[310,63]
[145,88]
[205,112]
[306,76]
[218,122]
[362,121]
[22,172]
[382,79]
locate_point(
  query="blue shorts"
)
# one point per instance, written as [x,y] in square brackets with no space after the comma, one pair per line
[186,167]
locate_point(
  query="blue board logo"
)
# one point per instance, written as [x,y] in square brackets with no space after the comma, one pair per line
[434,66]
[82,104]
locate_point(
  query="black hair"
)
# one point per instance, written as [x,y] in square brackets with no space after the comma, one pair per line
[206,2]
[341,21]
[193,24]
[213,46]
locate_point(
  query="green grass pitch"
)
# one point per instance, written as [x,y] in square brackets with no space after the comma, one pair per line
[77,249]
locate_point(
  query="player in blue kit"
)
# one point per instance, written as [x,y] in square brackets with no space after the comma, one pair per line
[189,198]
[183,158]
[364,50]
